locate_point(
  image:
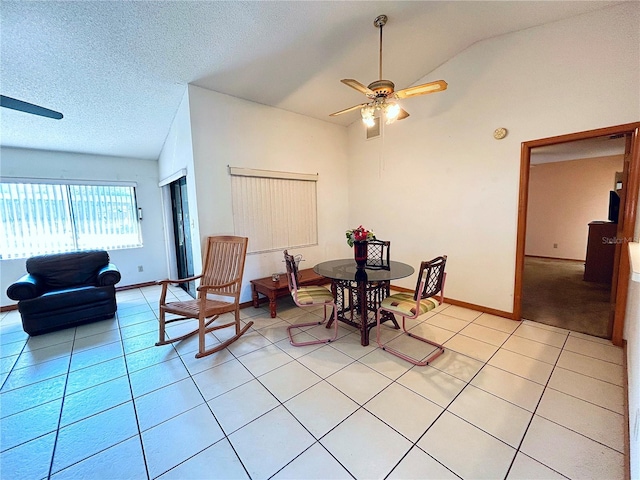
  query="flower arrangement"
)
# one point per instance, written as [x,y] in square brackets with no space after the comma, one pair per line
[359,234]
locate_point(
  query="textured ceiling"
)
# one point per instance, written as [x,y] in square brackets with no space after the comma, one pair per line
[117,70]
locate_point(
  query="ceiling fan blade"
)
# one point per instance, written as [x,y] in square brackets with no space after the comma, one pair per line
[423,89]
[26,107]
[347,110]
[402,115]
[358,86]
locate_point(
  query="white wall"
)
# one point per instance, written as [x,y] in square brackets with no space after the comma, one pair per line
[439,182]
[632,336]
[45,164]
[228,131]
[177,155]
[564,197]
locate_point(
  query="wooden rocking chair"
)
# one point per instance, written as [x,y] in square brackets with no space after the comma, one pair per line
[221,276]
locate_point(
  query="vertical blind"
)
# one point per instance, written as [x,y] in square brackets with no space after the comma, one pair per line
[274,213]
[40,218]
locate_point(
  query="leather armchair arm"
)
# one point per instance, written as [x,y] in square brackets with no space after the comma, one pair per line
[25,288]
[108,275]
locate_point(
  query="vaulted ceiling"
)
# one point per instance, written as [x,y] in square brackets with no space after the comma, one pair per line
[117,70]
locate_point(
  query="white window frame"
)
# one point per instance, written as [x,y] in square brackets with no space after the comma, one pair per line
[44,216]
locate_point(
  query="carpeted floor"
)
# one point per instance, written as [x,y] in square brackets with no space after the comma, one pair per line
[554,293]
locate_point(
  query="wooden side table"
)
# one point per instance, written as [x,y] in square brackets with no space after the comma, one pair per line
[274,290]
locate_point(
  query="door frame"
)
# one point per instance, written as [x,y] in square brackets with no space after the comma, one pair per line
[628,215]
[181,226]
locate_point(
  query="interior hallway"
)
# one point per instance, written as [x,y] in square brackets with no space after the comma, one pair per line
[554,293]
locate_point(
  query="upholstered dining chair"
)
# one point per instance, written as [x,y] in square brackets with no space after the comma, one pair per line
[431,278]
[221,277]
[307,297]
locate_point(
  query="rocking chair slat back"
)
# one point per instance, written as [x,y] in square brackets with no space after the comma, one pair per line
[224,263]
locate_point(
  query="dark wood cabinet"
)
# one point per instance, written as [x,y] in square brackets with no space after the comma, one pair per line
[601,249]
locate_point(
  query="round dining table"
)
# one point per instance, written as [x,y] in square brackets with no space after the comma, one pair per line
[358,292]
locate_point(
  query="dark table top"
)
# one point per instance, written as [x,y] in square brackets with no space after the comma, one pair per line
[346,269]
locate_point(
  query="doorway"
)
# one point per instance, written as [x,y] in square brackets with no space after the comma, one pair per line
[568,270]
[626,223]
[182,233]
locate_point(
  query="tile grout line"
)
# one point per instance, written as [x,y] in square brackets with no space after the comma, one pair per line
[166,420]
[360,407]
[133,402]
[518,449]
[119,328]
[415,444]
[64,395]
[446,409]
[469,383]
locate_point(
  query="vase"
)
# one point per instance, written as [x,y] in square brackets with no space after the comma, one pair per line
[361,275]
[360,253]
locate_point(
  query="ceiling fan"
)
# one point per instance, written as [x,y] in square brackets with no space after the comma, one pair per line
[27,107]
[381,93]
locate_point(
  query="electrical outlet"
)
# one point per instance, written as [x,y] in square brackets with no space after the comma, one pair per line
[555,245]
[140,268]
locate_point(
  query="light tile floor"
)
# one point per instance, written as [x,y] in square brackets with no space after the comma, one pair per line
[506,400]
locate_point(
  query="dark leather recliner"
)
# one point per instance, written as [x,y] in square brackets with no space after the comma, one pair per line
[65,290]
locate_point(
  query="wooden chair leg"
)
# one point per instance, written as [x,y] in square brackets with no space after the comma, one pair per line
[161,333]
[203,353]
[202,330]
[239,331]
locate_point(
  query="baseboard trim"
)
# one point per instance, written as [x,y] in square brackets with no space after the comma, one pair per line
[136,285]
[250,303]
[556,258]
[402,289]
[471,306]
[480,308]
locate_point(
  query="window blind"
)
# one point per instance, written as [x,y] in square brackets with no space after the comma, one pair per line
[40,218]
[275,213]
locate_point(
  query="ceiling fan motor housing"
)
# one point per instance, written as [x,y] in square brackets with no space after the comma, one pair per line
[381,88]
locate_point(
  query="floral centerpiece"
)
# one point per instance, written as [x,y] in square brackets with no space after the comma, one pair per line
[359,234]
[358,238]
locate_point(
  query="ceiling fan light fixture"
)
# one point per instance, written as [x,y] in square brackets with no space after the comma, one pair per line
[367,113]
[369,121]
[391,112]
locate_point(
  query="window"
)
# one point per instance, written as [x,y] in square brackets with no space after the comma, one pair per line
[40,218]
[275,210]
